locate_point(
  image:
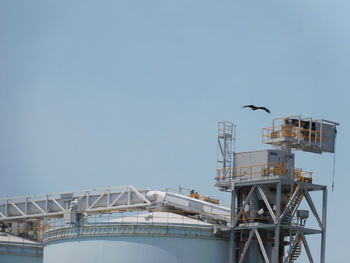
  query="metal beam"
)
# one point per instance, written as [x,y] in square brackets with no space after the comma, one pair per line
[134,190]
[129,195]
[262,248]
[313,208]
[278,223]
[121,208]
[267,204]
[252,190]
[117,199]
[246,246]
[324,218]
[58,204]
[307,249]
[16,207]
[37,206]
[96,201]
[232,249]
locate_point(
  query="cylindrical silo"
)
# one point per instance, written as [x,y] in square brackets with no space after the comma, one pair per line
[156,237]
[18,250]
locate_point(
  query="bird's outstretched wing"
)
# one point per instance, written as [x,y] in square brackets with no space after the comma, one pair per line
[253,107]
[265,109]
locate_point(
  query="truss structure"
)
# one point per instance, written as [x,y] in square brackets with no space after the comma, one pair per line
[56,205]
[109,200]
[277,236]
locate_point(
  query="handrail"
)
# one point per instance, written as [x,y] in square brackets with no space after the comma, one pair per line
[274,167]
[288,130]
[264,170]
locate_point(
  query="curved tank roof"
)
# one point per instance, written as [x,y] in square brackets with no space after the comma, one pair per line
[5,237]
[19,250]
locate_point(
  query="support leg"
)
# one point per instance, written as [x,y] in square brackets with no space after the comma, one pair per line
[278,223]
[232,252]
[324,221]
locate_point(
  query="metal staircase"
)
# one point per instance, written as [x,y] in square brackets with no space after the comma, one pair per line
[294,197]
[296,249]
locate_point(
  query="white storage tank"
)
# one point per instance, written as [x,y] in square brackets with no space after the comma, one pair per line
[156,237]
[18,250]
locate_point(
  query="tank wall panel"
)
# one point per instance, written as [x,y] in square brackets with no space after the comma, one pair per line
[19,259]
[15,253]
[136,249]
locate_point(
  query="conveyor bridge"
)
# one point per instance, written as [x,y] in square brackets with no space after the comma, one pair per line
[108,200]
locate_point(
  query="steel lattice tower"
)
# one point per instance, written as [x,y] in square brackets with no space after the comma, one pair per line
[267,190]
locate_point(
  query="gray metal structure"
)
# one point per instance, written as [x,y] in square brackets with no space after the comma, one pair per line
[264,221]
[226,143]
[266,191]
[61,204]
[34,217]
[74,206]
[300,133]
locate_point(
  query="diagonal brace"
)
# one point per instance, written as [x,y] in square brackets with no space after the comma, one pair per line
[117,198]
[262,248]
[313,208]
[308,252]
[58,204]
[244,204]
[246,246]
[139,194]
[267,204]
[96,201]
[37,206]
[17,208]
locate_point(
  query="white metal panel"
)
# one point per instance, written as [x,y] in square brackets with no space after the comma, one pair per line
[136,249]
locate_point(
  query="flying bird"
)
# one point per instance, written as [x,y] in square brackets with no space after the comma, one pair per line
[254,108]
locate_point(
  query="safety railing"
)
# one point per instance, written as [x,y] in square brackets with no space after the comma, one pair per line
[225,129]
[136,222]
[263,171]
[289,131]
[302,176]
[130,217]
[254,216]
[196,232]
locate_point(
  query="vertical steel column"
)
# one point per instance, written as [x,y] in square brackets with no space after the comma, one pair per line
[324,221]
[278,223]
[232,252]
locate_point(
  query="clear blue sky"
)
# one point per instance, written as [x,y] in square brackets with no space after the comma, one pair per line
[97,93]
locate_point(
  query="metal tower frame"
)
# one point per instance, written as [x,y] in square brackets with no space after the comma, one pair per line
[265,196]
[226,145]
[279,226]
